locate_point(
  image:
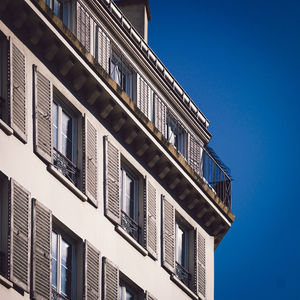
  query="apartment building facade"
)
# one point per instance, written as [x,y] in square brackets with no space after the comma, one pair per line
[108,188]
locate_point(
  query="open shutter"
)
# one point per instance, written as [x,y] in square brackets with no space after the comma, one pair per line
[83,27]
[150,224]
[111,280]
[17,91]
[43,118]
[41,249]
[200,264]
[92,271]
[143,95]
[103,49]
[19,235]
[112,181]
[148,296]
[194,157]
[168,235]
[160,116]
[90,168]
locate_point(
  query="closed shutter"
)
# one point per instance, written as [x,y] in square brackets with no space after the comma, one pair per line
[194,154]
[160,116]
[18,102]
[90,168]
[168,235]
[43,116]
[19,235]
[83,27]
[92,271]
[148,296]
[143,96]
[200,264]
[103,49]
[112,181]
[111,280]
[41,249]
[150,223]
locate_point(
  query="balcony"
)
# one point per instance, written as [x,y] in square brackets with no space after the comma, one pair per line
[130,226]
[183,275]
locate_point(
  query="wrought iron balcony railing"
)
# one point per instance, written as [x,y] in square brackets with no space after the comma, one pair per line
[2,263]
[183,275]
[65,166]
[57,296]
[130,226]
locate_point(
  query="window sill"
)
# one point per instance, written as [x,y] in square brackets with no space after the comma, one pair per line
[131,240]
[67,182]
[5,282]
[184,287]
[7,129]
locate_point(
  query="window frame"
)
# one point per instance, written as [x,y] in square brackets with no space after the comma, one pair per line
[66,11]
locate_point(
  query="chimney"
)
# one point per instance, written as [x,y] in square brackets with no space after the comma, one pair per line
[138,13]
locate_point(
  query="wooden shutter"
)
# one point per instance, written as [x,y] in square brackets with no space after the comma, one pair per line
[103,49]
[90,168]
[148,296]
[143,95]
[41,249]
[112,181]
[92,273]
[194,156]
[43,116]
[111,281]
[19,235]
[18,107]
[168,235]
[83,27]
[150,223]
[160,115]
[200,264]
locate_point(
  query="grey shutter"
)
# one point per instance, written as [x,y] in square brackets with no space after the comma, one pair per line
[168,235]
[18,102]
[92,271]
[103,49]
[194,156]
[41,249]
[160,115]
[112,181]
[83,27]
[111,281]
[200,264]
[150,223]
[148,296]
[90,168]
[143,95]
[19,235]
[43,116]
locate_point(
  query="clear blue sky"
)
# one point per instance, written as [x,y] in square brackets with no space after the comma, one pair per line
[240,62]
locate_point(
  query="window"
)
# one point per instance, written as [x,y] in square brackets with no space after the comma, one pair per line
[64,128]
[62,266]
[176,135]
[129,203]
[126,293]
[62,8]
[122,74]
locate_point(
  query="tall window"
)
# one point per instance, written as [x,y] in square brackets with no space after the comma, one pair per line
[64,138]
[62,256]
[121,73]
[177,136]
[126,293]
[129,203]
[62,8]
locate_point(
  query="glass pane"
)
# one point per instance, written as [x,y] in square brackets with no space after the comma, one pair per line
[54,273]
[129,296]
[57,8]
[66,254]
[66,149]
[179,245]
[66,279]
[55,124]
[66,125]
[129,196]
[54,245]
[120,292]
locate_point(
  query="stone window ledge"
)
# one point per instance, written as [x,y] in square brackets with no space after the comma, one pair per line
[8,284]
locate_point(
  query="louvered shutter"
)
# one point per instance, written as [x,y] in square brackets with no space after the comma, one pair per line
[160,115]
[103,49]
[90,168]
[148,296]
[17,91]
[200,257]
[43,116]
[112,181]
[194,157]
[83,27]
[111,281]
[92,272]
[19,235]
[41,244]
[143,95]
[168,235]
[150,223]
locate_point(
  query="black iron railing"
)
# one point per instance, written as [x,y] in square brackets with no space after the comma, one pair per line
[57,296]
[216,177]
[183,275]
[130,226]
[65,166]
[2,263]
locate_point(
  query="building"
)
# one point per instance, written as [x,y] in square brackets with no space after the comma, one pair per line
[108,189]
